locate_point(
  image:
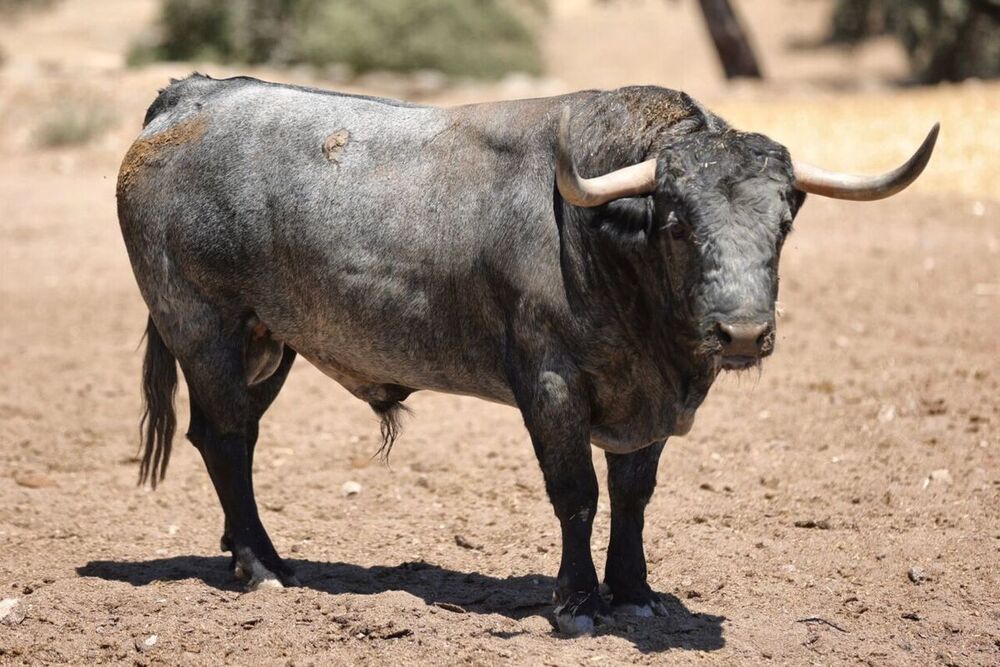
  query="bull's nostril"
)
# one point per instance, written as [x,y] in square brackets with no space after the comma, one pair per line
[764,335]
[724,332]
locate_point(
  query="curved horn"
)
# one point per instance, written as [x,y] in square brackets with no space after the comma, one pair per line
[639,179]
[865,188]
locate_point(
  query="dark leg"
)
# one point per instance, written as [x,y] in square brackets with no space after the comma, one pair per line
[261,396]
[631,480]
[556,414]
[221,410]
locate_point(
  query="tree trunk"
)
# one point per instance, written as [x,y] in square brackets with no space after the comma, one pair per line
[731,42]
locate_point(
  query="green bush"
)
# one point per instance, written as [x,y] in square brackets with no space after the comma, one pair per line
[481,38]
[946,40]
[73,124]
[9,7]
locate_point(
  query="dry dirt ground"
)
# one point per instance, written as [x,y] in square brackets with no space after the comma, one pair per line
[868,449]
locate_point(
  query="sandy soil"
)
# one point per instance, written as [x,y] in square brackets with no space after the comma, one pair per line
[868,449]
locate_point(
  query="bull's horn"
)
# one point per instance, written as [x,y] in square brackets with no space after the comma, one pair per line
[865,188]
[639,179]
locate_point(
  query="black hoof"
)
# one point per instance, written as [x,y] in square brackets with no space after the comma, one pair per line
[581,613]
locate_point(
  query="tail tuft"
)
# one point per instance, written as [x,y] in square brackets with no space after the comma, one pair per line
[158,423]
[390,413]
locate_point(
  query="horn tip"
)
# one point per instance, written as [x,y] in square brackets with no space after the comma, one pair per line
[930,141]
[932,137]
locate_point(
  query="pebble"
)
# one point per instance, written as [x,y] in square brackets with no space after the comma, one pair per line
[146,644]
[466,544]
[916,575]
[940,476]
[351,489]
[887,413]
[11,611]
[33,481]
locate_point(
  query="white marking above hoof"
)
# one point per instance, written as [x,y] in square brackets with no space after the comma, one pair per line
[575,625]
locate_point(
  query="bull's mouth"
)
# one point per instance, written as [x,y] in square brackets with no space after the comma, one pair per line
[738,362]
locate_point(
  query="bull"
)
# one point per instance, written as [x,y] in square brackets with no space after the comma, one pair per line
[594,260]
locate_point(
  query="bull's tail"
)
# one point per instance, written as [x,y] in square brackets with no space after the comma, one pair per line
[159,386]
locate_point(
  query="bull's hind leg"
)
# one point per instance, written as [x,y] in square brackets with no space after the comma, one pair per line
[631,480]
[224,427]
[261,396]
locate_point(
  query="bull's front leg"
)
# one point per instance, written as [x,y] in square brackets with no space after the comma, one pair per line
[557,416]
[631,480]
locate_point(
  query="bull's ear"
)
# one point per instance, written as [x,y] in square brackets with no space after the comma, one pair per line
[626,222]
[798,198]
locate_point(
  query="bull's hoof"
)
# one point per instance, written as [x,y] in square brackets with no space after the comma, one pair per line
[266,579]
[575,626]
[249,569]
[264,584]
[581,613]
[647,610]
[643,603]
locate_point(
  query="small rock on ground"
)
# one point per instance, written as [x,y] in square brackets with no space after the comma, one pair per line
[11,611]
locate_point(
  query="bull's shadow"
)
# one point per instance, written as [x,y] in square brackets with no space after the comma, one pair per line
[514,597]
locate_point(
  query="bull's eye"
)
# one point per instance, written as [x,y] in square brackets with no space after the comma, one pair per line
[674,227]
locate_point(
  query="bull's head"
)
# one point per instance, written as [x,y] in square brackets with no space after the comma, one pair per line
[724,202]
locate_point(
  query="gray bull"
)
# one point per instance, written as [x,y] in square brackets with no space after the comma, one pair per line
[401,247]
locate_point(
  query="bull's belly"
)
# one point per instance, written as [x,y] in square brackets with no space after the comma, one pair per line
[369,366]
[382,387]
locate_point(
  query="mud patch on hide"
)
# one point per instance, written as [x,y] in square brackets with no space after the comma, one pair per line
[146,150]
[334,145]
[661,110]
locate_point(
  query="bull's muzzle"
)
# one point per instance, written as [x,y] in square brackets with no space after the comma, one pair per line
[744,343]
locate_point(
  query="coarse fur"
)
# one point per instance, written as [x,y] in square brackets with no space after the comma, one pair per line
[401,247]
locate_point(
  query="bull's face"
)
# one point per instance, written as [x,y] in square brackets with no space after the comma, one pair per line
[724,203]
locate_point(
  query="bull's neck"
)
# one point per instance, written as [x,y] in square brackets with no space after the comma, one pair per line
[624,304]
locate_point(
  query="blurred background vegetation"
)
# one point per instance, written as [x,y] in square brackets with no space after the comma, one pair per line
[8,7]
[946,40]
[475,38]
